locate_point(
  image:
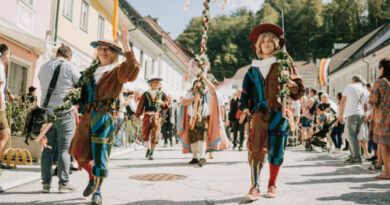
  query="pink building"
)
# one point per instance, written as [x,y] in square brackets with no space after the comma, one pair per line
[25,27]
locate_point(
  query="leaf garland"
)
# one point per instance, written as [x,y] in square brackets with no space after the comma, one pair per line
[74,96]
[282,57]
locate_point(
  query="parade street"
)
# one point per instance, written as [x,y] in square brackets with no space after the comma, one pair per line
[306,178]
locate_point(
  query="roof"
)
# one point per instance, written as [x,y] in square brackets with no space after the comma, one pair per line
[360,48]
[306,67]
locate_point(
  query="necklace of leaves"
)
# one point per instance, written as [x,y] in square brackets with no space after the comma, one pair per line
[74,96]
[284,64]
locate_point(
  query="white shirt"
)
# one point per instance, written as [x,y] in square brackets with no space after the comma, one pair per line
[264,66]
[3,83]
[101,70]
[153,93]
[205,108]
[296,105]
[356,98]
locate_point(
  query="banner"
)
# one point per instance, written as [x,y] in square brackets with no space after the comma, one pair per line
[323,71]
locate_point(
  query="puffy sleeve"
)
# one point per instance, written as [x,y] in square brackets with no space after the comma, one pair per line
[165,99]
[297,89]
[247,86]
[141,106]
[129,69]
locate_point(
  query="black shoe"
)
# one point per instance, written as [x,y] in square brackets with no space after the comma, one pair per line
[151,157]
[55,172]
[147,153]
[374,162]
[345,149]
[97,199]
[352,162]
[3,166]
[202,162]
[72,168]
[89,189]
[240,149]
[372,159]
[194,161]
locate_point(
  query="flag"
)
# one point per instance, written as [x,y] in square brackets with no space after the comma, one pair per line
[323,72]
[115,19]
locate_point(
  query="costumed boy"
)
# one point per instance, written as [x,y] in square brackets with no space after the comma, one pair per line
[260,99]
[148,106]
[199,125]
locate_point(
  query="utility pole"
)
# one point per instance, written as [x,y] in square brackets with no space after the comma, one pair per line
[282,20]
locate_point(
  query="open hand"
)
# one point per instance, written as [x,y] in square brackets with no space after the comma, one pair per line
[123,36]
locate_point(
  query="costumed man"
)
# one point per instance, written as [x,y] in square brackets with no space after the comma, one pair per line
[259,99]
[200,127]
[101,86]
[151,123]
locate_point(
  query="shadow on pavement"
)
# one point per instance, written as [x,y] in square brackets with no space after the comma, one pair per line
[58,202]
[173,164]
[354,170]
[361,198]
[373,186]
[335,180]
[237,200]
[318,164]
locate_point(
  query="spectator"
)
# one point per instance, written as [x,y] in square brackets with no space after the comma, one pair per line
[351,107]
[30,97]
[234,120]
[380,121]
[61,133]
[337,131]
[372,146]
[5,132]
[308,107]
[296,110]
[121,135]
[363,133]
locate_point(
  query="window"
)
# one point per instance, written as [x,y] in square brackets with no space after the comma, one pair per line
[30,3]
[100,32]
[17,77]
[84,16]
[67,9]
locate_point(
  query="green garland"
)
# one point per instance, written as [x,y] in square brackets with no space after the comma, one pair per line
[74,96]
[283,60]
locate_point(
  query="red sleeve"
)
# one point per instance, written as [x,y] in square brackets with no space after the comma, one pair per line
[166,103]
[141,106]
[129,69]
[297,90]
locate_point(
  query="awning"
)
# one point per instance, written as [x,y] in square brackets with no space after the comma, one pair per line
[28,41]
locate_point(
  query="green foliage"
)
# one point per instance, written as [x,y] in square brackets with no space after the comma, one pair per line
[18,115]
[311,29]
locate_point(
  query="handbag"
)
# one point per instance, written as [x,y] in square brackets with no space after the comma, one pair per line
[37,116]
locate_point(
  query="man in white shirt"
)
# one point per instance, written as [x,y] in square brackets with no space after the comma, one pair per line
[352,108]
[5,132]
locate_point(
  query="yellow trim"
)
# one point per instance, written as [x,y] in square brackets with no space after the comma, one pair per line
[97,184]
[253,174]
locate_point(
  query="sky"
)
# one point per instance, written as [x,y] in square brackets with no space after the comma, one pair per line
[174,18]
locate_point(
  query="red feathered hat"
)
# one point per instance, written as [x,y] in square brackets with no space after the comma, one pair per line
[254,35]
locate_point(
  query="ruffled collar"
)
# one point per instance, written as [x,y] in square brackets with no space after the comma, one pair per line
[264,66]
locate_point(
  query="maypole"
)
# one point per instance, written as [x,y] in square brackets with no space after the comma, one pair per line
[203,50]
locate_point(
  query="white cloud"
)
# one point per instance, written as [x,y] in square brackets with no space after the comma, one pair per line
[252,5]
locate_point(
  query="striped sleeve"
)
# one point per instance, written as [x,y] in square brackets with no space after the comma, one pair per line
[247,86]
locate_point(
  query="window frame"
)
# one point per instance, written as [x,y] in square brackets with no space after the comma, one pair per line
[70,17]
[81,16]
[100,30]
